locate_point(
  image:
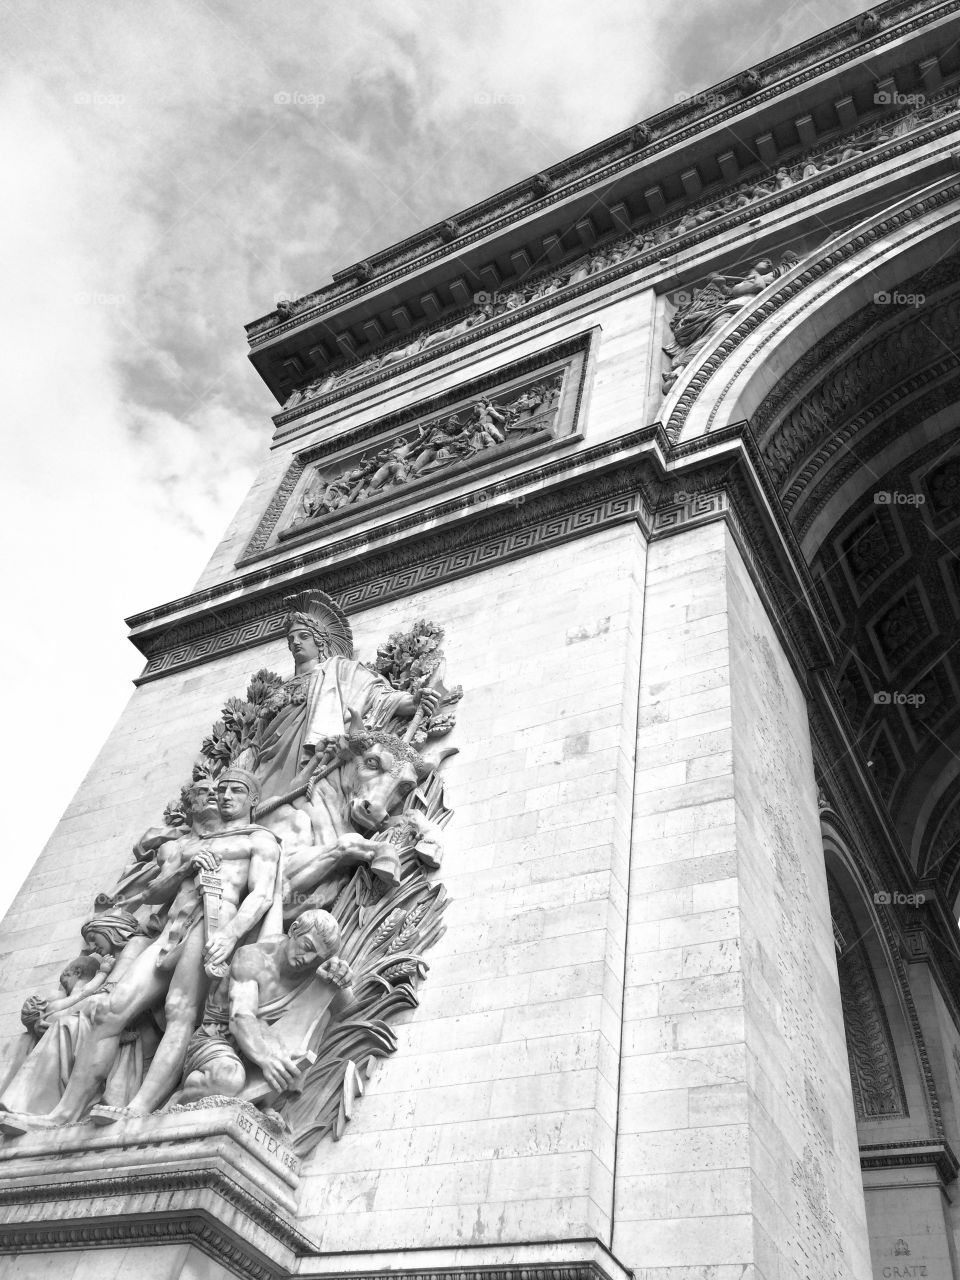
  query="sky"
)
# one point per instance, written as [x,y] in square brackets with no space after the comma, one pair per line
[171,171]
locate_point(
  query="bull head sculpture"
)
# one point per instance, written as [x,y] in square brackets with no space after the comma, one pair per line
[386,770]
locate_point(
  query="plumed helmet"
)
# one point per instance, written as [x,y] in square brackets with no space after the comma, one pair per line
[324,618]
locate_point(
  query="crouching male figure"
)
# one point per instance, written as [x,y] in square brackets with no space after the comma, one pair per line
[284,991]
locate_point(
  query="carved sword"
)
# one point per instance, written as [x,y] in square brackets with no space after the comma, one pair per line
[210,884]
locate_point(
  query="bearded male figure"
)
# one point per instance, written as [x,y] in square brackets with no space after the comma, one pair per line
[176,967]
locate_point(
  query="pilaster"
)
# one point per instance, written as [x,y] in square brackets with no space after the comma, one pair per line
[737,1142]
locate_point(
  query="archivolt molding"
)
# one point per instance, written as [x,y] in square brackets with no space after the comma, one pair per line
[881,570]
[895,381]
[858,826]
[918,351]
[701,403]
[874,1070]
[894,417]
[847,846]
[942,858]
[849,827]
[845,342]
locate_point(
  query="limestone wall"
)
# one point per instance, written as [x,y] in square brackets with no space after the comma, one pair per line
[698,1114]
[496,1119]
[737,1140]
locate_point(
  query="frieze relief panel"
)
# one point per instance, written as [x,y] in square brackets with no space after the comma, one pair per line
[483,429]
[268,929]
[516,412]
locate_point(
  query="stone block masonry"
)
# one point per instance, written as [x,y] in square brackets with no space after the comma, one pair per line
[736,1141]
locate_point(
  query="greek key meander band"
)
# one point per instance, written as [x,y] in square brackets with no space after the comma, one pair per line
[695,508]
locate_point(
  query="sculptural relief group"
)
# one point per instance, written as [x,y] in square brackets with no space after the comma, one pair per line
[434,446]
[261,938]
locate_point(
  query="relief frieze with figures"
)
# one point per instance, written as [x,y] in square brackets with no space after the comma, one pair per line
[445,443]
[516,412]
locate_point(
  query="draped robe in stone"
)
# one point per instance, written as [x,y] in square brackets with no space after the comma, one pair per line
[327,692]
[38,1084]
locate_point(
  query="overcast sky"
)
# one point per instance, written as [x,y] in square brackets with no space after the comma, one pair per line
[161,189]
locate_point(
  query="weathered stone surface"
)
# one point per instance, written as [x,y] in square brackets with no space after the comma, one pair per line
[630,1054]
[705,1061]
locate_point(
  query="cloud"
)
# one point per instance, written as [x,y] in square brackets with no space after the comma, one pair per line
[165,193]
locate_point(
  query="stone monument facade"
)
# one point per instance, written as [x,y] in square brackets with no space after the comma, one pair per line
[532,848]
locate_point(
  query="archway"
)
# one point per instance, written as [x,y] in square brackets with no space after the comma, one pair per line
[846,371]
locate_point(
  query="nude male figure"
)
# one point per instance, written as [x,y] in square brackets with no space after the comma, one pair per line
[284,990]
[175,967]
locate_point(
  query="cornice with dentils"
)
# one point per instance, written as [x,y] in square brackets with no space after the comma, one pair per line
[831,49]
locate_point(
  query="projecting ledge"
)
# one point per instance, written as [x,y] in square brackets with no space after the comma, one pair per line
[215,1177]
[585,1259]
[894,1163]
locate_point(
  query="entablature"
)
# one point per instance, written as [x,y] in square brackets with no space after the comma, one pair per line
[638,478]
[740,137]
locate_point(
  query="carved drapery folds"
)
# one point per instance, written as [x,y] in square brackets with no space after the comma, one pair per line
[702,312]
[264,935]
[874,1073]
